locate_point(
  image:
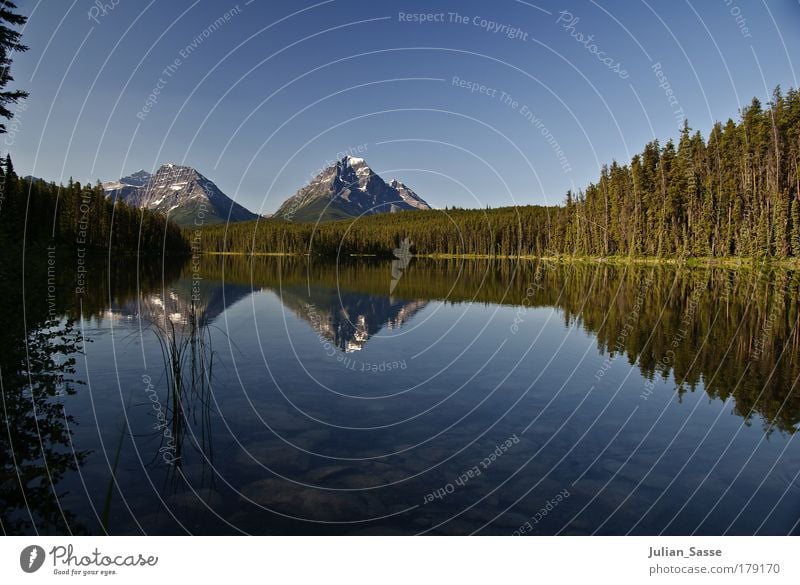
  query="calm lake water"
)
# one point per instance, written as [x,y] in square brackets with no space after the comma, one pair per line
[283,396]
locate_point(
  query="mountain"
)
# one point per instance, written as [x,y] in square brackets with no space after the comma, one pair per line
[137,179]
[347,189]
[180,192]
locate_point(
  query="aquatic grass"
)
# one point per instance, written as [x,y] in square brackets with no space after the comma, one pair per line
[106,514]
[187,358]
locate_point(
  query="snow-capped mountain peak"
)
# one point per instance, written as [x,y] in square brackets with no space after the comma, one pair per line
[181,192]
[348,188]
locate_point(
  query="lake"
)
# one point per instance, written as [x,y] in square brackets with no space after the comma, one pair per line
[305,396]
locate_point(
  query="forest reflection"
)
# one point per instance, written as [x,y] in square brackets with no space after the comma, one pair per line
[732,332]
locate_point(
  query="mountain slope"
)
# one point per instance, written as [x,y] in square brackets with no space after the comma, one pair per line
[346,189]
[181,193]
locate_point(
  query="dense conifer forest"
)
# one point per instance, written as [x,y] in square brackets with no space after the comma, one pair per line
[34,212]
[732,194]
[79,216]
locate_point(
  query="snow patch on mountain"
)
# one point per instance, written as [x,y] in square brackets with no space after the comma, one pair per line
[180,192]
[349,187]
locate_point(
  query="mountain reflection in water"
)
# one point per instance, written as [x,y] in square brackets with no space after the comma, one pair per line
[615,383]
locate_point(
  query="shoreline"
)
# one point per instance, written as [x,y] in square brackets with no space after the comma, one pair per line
[694,262]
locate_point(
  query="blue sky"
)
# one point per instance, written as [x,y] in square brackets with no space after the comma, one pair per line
[259,96]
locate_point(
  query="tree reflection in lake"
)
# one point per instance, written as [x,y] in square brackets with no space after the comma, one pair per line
[35,442]
[37,365]
[42,340]
[729,333]
[732,331]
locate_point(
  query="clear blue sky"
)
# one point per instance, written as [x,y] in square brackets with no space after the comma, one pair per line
[260,101]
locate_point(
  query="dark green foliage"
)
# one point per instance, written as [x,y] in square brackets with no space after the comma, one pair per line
[37,370]
[729,196]
[9,44]
[795,220]
[42,343]
[505,231]
[32,388]
[82,217]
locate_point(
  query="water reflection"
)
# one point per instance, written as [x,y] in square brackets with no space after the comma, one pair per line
[37,376]
[176,303]
[35,444]
[348,319]
[732,332]
[207,429]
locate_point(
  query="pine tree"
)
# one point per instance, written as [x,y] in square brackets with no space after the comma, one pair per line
[9,44]
[780,221]
[763,247]
[795,238]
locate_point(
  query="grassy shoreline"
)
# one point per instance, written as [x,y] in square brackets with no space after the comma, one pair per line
[727,262]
